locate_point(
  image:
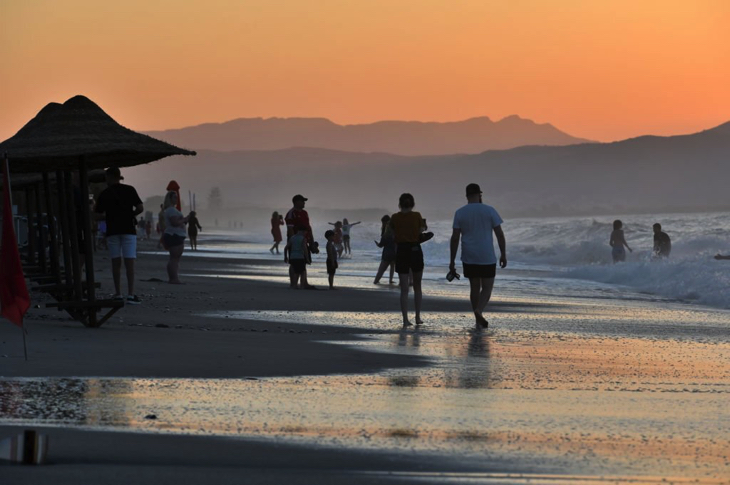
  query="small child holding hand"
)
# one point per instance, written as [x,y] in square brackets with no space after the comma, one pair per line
[297,254]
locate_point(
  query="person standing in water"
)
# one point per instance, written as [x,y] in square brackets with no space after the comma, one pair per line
[474,224]
[277,220]
[617,243]
[331,258]
[193,228]
[346,226]
[662,242]
[407,226]
[387,242]
[337,237]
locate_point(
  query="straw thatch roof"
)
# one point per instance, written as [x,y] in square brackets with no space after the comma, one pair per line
[19,181]
[61,133]
[22,180]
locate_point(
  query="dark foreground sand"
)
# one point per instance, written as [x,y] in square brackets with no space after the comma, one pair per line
[131,345]
[134,343]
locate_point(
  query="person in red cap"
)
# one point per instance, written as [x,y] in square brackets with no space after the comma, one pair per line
[474,224]
[295,218]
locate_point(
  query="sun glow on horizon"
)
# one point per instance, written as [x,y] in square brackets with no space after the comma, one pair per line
[598,70]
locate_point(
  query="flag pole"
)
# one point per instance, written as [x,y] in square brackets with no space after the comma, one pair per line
[25,347]
[10,198]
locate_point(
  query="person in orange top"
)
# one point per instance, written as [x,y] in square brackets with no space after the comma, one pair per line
[407,226]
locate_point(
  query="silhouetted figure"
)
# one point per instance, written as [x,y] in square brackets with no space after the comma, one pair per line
[298,217]
[474,224]
[346,226]
[193,228]
[277,220]
[387,242]
[617,243]
[297,255]
[337,237]
[407,226]
[174,236]
[161,225]
[662,242]
[331,258]
[120,203]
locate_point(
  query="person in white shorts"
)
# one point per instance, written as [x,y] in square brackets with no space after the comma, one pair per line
[474,224]
[120,204]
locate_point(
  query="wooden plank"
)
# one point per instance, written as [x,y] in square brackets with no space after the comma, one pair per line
[86,304]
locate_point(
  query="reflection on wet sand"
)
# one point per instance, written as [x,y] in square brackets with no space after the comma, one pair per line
[545,396]
[67,401]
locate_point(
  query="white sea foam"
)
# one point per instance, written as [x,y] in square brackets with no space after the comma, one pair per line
[577,248]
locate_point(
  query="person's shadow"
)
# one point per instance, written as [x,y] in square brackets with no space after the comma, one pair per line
[475,371]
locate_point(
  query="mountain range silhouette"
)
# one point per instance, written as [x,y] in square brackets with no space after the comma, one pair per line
[474,135]
[643,174]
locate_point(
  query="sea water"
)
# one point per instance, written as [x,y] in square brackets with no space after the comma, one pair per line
[554,256]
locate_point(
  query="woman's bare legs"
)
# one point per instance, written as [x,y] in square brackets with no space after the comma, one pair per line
[418,295]
[173,265]
[404,287]
[381,270]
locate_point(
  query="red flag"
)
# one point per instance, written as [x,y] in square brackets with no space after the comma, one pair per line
[14,298]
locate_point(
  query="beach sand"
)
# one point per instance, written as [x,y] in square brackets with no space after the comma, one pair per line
[270,385]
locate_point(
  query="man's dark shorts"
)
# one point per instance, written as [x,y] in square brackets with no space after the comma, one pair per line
[480,270]
[408,257]
[298,265]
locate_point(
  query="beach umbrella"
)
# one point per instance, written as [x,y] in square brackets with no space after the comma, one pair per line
[78,134]
[174,186]
[60,134]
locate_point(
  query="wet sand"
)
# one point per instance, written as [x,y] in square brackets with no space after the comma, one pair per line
[578,388]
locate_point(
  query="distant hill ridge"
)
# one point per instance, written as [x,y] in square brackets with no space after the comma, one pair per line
[473,135]
[645,174]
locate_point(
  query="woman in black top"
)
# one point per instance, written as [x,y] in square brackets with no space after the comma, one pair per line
[193,227]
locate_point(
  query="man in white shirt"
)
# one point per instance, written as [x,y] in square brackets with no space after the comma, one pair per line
[474,224]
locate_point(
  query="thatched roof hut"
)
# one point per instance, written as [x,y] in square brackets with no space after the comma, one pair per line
[61,134]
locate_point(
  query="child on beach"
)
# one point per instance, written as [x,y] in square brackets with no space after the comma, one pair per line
[617,242]
[337,238]
[346,226]
[331,257]
[296,254]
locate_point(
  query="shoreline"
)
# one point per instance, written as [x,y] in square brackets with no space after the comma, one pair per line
[244,359]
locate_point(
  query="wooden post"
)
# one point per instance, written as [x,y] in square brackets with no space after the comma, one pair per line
[52,229]
[74,237]
[65,232]
[42,240]
[31,231]
[88,242]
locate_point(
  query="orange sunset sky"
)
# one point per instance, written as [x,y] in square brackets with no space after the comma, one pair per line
[603,70]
